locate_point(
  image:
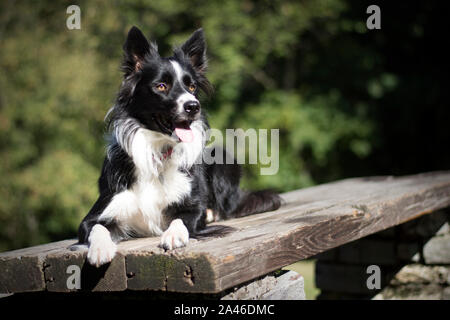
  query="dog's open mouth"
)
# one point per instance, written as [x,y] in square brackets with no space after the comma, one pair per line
[182,129]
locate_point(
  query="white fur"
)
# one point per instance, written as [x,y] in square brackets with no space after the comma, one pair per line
[188,153]
[178,71]
[124,130]
[175,236]
[209,216]
[159,182]
[186,96]
[182,99]
[101,247]
[146,151]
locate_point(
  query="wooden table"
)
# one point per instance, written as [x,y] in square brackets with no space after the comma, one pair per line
[311,221]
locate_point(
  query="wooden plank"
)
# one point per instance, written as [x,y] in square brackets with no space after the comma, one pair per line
[311,221]
[167,272]
[22,270]
[59,266]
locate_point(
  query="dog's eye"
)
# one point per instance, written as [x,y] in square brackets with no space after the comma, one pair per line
[161,87]
[192,87]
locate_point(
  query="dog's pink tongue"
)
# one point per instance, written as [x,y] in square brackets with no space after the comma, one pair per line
[185,135]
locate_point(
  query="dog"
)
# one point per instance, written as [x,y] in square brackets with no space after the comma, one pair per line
[151,182]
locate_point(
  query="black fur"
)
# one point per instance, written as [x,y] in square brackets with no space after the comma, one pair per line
[139,104]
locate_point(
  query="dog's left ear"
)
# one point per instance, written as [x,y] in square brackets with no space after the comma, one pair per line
[195,49]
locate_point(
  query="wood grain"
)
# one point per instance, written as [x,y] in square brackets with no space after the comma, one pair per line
[311,221]
[22,270]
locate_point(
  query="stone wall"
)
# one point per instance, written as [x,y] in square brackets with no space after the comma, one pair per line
[413,261]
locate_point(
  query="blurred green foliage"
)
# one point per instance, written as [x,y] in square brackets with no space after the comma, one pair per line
[348,101]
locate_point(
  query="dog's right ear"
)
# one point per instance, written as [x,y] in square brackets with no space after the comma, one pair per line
[136,49]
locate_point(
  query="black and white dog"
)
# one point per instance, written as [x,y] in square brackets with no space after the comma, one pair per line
[151,182]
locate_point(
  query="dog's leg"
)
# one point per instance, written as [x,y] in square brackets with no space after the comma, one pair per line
[187,220]
[101,247]
[176,236]
[105,232]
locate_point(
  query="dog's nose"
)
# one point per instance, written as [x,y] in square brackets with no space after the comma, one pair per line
[192,107]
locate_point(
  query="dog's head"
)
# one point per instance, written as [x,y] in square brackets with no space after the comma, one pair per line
[162,93]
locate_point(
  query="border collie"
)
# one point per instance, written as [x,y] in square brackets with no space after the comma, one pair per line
[151,183]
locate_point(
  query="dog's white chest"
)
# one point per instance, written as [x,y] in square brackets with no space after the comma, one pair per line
[139,210]
[153,196]
[159,181]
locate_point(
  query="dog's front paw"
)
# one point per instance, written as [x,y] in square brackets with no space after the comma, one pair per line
[176,236]
[101,247]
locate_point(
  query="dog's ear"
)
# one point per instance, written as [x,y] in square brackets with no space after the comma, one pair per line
[136,48]
[195,49]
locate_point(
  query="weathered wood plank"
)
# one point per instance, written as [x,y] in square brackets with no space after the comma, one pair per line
[311,221]
[22,270]
[110,277]
[168,272]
